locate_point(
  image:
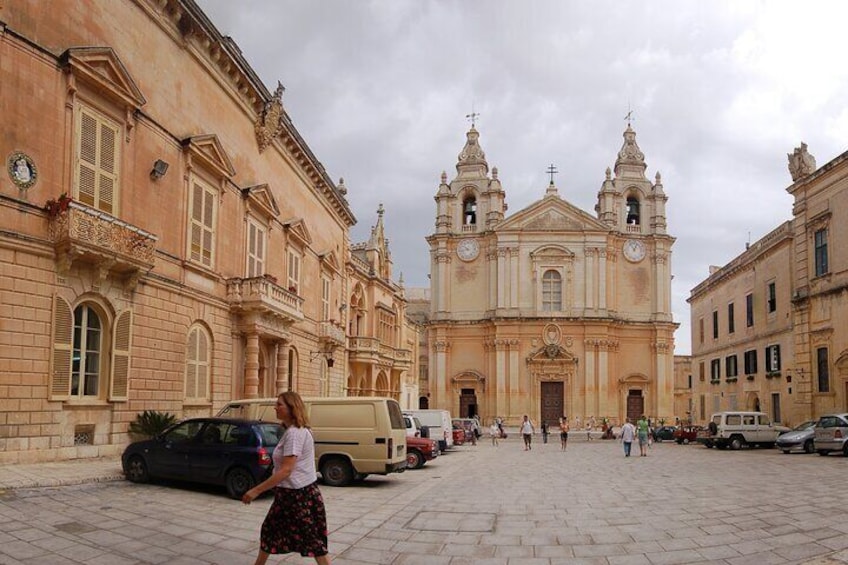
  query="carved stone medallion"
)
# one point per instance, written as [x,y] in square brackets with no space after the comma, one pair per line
[22,170]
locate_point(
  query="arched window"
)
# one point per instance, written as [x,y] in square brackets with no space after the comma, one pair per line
[198,363]
[469,211]
[633,211]
[86,363]
[292,373]
[551,291]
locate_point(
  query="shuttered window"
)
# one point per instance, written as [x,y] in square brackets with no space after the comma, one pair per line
[202,227]
[121,340]
[255,249]
[86,360]
[293,271]
[97,161]
[63,328]
[198,361]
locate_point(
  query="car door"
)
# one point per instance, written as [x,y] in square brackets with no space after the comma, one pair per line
[765,431]
[169,457]
[210,454]
[824,431]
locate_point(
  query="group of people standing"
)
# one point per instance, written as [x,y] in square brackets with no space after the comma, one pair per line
[640,431]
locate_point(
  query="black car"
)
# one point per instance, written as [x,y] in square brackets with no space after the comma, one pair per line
[217,451]
[663,433]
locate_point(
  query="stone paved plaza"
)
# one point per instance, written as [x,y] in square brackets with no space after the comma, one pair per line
[681,504]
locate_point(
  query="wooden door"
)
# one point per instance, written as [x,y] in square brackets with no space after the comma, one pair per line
[635,405]
[467,403]
[552,403]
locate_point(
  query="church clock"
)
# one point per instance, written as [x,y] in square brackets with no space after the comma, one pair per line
[468,249]
[634,250]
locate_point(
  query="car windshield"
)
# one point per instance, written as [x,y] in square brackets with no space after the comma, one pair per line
[804,426]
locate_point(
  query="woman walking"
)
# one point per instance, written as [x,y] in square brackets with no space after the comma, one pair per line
[297,520]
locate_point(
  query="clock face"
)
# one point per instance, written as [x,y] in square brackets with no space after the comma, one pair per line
[634,250]
[468,249]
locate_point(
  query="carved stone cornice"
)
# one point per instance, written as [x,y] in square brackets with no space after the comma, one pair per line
[441,346]
[602,344]
[659,258]
[661,348]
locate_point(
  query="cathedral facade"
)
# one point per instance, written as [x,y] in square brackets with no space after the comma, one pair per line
[551,311]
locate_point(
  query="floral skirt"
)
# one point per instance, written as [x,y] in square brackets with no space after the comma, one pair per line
[296,522]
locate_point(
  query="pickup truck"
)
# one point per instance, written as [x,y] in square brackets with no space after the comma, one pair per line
[739,429]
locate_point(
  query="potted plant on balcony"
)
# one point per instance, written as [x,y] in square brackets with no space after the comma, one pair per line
[56,206]
[293,289]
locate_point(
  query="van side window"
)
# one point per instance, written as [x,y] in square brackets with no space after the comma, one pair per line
[748,420]
[734,419]
[764,420]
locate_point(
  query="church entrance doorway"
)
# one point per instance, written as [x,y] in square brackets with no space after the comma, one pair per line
[468,403]
[635,404]
[553,401]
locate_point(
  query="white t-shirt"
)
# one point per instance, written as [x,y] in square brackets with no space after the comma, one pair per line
[527,428]
[297,442]
[628,432]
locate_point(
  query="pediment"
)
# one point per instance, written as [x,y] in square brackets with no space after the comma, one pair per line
[296,229]
[261,198]
[330,262]
[552,252]
[551,352]
[101,68]
[552,214]
[210,153]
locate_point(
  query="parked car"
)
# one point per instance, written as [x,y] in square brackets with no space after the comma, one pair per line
[219,451]
[739,429]
[470,424]
[414,427]
[663,433]
[419,450]
[800,437]
[684,435]
[831,434]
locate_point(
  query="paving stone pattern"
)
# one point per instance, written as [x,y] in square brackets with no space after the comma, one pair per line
[477,504]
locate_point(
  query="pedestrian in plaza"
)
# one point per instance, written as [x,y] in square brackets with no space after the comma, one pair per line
[527,431]
[642,428]
[494,432]
[563,433]
[628,434]
[544,432]
[590,423]
[297,519]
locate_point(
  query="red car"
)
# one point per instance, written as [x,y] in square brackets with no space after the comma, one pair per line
[686,434]
[458,436]
[419,450]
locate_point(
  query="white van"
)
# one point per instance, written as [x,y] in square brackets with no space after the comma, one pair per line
[438,423]
[354,436]
[738,429]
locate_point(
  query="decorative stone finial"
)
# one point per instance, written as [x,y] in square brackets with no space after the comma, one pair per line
[269,124]
[801,163]
[444,177]
[608,174]
[494,173]
[658,178]
[341,186]
[380,211]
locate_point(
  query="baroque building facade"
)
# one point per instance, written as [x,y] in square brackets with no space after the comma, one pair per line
[551,311]
[168,240]
[770,328]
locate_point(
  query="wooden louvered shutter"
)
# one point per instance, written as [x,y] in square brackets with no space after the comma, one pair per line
[87,159]
[107,181]
[196,222]
[191,364]
[202,364]
[121,341]
[208,226]
[63,342]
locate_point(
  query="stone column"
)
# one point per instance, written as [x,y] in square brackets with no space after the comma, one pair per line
[590,392]
[440,367]
[251,366]
[516,399]
[603,381]
[513,277]
[602,279]
[589,278]
[500,370]
[281,382]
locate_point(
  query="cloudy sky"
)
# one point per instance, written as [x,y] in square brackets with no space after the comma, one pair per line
[721,92]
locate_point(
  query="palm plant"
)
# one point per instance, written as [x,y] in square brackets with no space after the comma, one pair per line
[151,423]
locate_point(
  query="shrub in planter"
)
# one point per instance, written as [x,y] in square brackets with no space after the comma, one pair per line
[151,423]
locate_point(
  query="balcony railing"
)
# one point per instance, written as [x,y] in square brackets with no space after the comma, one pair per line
[86,234]
[633,228]
[330,333]
[469,228]
[364,344]
[258,294]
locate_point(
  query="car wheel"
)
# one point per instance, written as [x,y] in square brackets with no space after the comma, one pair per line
[414,460]
[785,451]
[736,443]
[809,447]
[823,452]
[336,472]
[238,482]
[137,469]
[686,441]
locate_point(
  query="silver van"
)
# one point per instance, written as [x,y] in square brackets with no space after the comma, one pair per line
[739,429]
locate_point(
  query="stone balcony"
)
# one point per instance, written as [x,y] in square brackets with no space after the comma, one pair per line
[331,334]
[83,234]
[363,349]
[259,295]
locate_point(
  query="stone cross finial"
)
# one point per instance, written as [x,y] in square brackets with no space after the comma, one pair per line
[801,163]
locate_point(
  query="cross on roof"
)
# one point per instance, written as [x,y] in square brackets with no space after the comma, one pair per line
[629,117]
[552,171]
[473,117]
